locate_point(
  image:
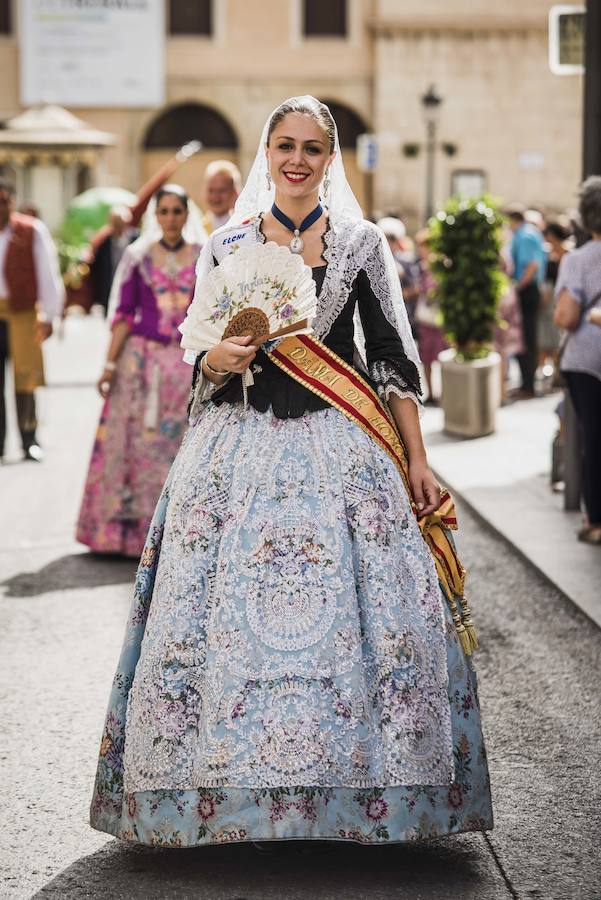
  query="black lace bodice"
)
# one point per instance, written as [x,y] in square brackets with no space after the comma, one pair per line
[389,368]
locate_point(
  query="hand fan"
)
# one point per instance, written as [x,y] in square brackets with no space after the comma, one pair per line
[264,291]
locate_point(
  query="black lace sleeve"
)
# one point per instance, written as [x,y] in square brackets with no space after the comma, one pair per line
[387,362]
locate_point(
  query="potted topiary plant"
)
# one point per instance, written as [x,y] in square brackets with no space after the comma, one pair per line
[466,245]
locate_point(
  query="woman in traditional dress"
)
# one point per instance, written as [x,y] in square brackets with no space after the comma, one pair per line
[145,385]
[291,668]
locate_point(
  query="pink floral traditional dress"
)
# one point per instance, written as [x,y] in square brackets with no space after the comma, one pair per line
[144,418]
[431,338]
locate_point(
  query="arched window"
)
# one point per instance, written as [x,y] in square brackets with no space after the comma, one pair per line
[350,124]
[190,122]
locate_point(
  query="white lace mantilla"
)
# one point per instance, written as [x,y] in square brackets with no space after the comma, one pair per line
[296,631]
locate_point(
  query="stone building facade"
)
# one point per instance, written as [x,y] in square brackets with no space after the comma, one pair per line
[509,123]
[505,114]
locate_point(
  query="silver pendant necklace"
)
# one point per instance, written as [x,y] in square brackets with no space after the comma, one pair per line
[297,245]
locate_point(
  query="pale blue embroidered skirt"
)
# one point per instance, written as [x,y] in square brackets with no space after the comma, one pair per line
[290,668]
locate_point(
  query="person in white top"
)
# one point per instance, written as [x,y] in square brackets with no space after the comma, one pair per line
[31,296]
[221,186]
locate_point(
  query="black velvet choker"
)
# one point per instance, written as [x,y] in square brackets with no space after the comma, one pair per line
[172,248]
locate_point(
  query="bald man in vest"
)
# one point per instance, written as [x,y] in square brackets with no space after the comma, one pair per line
[31,295]
[221,187]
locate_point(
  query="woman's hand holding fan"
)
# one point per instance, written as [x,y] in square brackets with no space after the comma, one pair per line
[232,355]
[263,292]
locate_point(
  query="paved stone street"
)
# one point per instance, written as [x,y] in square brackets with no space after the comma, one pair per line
[63,613]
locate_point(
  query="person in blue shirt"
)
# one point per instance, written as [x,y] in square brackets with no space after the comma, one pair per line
[529,264]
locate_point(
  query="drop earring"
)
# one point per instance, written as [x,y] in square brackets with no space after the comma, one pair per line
[268,181]
[326,186]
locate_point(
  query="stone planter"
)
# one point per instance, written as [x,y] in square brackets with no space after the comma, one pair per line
[471,393]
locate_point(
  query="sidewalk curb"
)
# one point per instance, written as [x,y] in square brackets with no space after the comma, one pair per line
[486,522]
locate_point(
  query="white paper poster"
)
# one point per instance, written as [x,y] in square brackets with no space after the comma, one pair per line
[92,52]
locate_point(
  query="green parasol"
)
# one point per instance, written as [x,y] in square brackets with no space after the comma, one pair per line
[88,212]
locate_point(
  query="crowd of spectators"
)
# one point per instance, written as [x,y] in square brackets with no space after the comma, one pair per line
[549,316]
[533,247]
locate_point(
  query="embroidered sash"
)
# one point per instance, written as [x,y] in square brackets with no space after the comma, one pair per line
[321,371]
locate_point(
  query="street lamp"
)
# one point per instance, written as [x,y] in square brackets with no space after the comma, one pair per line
[431,102]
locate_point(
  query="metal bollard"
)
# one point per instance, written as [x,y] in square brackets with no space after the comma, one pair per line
[573,457]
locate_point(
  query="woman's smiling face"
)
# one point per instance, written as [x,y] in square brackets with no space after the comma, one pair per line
[298,154]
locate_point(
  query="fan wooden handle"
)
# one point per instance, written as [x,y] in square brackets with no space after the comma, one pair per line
[287,329]
[253,323]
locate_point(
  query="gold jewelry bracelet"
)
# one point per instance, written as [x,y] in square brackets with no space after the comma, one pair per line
[210,368]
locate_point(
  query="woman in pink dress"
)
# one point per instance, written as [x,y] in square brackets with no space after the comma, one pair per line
[430,339]
[145,385]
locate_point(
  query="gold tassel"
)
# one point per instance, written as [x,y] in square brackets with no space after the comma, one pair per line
[462,634]
[468,622]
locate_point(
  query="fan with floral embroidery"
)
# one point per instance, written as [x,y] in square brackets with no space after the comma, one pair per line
[264,291]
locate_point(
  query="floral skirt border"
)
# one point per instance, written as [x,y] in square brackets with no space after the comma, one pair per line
[129,460]
[226,815]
